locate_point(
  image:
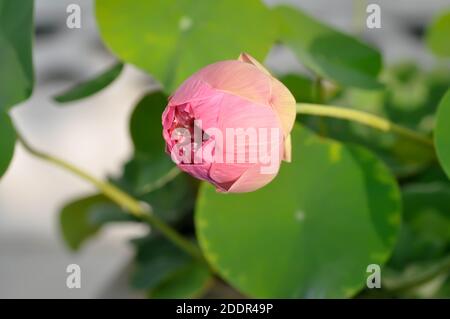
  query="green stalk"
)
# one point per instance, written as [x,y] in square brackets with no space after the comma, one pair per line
[363,118]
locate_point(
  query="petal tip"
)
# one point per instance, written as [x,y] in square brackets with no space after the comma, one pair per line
[247,58]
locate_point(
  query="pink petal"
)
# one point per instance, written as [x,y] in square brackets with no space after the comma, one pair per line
[193,89]
[281,98]
[235,113]
[200,171]
[228,173]
[251,180]
[167,120]
[207,110]
[238,78]
[284,104]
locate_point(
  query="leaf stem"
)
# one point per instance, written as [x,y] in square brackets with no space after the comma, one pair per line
[128,203]
[363,118]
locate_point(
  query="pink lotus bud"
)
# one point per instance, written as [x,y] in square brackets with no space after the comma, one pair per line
[229,124]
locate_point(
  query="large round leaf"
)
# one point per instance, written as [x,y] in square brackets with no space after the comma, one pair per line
[7,142]
[16,30]
[171,39]
[312,232]
[442,133]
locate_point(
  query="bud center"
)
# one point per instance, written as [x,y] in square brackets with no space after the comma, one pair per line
[187,132]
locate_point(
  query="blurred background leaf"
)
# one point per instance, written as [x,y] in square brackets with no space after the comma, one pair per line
[174,202]
[156,259]
[84,217]
[7,142]
[442,133]
[432,174]
[174,39]
[165,271]
[16,65]
[412,95]
[92,86]
[300,86]
[418,280]
[318,237]
[438,33]
[190,281]
[150,161]
[74,219]
[425,232]
[327,52]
